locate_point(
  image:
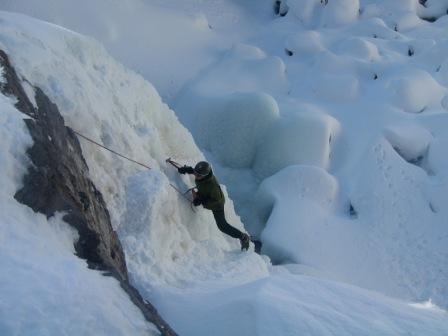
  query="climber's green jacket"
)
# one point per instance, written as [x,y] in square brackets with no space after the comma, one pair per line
[210,193]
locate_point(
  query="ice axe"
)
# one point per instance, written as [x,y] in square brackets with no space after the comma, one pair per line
[193,190]
[173,163]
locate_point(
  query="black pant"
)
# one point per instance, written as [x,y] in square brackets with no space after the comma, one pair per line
[224,226]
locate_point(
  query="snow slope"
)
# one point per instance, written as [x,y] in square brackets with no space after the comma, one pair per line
[102,100]
[330,145]
[46,289]
[288,304]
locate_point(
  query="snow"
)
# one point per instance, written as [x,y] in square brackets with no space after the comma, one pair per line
[333,152]
[414,90]
[305,42]
[434,8]
[235,147]
[123,111]
[284,143]
[46,289]
[340,12]
[359,48]
[288,304]
[314,193]
[410,141]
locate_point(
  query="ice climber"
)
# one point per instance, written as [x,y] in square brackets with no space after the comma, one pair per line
[210,195]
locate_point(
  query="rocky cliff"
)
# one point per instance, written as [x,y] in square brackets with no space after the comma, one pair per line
[58,181]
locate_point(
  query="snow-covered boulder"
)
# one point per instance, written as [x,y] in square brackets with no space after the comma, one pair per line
[232,126]
[433,9]
[410,141]
[340,12]
[305,42]
[414,90]
[296,196]
[359,48]
[298,139]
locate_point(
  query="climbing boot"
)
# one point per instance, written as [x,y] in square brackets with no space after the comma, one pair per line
[245,240]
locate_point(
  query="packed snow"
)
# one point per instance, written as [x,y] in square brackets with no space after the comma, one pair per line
[327,125]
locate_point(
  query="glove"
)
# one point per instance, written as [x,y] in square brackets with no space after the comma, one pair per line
[182,170]
[197,201]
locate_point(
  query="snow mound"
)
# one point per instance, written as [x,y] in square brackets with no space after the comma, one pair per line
[359,48]
[340,12]
[414,91]
[299,139]
[246,51]
[250,65]
[231,126]
[410,141]
[304,10]
[313,191]
[373,27]
[305,42]
[434,9]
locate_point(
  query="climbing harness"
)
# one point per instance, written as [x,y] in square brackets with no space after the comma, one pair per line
[183,194]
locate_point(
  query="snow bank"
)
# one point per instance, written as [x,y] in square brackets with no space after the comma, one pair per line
[287,304]
[45,288]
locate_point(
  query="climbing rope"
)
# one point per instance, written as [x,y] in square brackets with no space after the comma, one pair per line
[110,150]
[136,162]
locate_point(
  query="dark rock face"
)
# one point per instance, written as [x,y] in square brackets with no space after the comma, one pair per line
[58,181]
